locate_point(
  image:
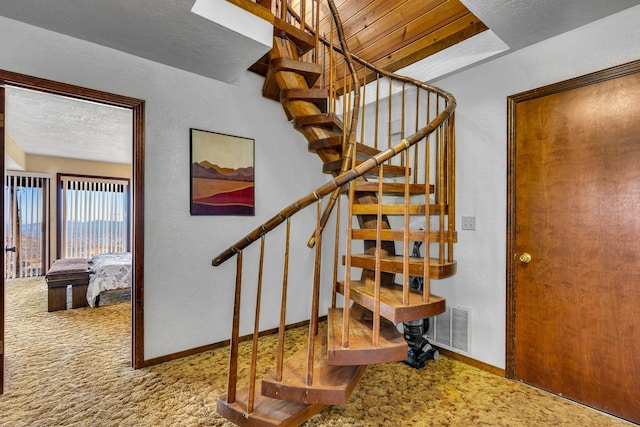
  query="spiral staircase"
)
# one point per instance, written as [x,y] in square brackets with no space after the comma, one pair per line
[345,109]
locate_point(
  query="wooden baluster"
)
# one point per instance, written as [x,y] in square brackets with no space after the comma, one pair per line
[256,333]
[315,305]
[443,190]
[451,124]
[405,237]
[332,66]
[390,115]
[303,14]
[347,270]
[235,332]
[283,304]
[364,102]
[351,114]
[377,120]
[426,281]
[336,254]
[415,147]
[428,107]
[402,117]
[323,76]
[375,339]
[317,28]
[436,151]
[315,299]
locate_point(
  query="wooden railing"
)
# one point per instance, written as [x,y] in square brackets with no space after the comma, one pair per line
[410,125]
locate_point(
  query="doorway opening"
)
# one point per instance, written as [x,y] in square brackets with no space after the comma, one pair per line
[135,107]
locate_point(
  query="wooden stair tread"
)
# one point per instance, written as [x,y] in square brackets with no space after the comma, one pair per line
[391,187]
[326,120]
[266,412]
[269,66]
[391,306]
[309,70]
[372,209]
[303,41]
[332,385]
[394,264]
[398,235]
[393,209]
[390,171]
[270,89]
[363,152]
[332,143]
[314,95]
[392,346]
[318,97]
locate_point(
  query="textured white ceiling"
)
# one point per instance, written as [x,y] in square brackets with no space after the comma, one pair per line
[166,31]
[52,125]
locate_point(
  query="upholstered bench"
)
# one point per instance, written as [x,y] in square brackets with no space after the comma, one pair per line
[65,272]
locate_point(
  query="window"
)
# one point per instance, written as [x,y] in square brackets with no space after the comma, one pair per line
[26,228]
[93,216]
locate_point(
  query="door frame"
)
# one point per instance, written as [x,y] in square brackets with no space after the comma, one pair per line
[512,102]
[2,239]
[137,107]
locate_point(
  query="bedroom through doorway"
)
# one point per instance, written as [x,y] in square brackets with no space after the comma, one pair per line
[53,128]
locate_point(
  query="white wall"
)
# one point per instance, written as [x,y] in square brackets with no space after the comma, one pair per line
[481,131]
[188,303]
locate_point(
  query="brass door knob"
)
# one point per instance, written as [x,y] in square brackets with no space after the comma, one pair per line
[525,258]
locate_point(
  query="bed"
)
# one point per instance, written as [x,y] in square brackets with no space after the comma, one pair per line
[110,272]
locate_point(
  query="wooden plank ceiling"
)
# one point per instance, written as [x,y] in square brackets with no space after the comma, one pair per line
[392,34]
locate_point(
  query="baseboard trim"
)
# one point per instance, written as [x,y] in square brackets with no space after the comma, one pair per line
[173,356]
[471,362]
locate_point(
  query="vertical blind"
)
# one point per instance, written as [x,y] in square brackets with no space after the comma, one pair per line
[94,215]
[26,225]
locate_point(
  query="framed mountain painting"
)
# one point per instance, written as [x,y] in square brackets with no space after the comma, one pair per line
[222,178]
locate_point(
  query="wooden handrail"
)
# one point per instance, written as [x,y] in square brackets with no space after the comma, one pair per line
[337,182]
[346,176]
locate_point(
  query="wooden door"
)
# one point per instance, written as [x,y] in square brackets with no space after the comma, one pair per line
[574,207]
[2,240]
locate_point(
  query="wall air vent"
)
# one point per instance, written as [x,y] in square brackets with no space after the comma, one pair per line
[451,329]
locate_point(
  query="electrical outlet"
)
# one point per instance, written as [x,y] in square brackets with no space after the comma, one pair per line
[468,222]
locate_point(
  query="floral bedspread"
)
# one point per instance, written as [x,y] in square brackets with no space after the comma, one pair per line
[108,272]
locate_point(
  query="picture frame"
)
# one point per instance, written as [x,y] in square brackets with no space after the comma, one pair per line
[222,174]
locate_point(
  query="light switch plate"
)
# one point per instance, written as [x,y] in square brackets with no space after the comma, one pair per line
[468,222]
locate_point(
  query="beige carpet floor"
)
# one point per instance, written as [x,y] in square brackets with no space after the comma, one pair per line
[72,368]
